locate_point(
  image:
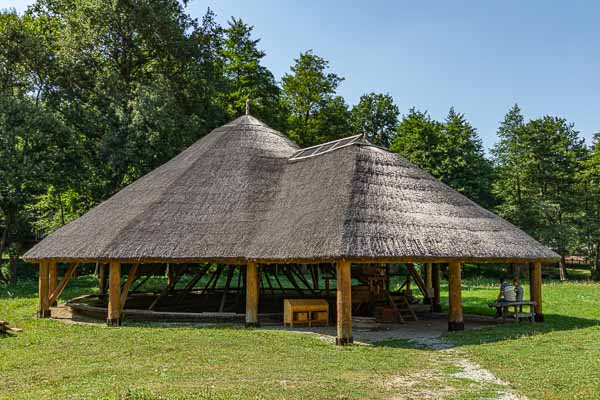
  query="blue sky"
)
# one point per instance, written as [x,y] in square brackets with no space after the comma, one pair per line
[478,56]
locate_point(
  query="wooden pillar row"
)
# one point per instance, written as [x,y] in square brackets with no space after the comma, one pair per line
[535,289]
[114,294]
[252,293]
[44,290]
[344,304]
[455,310]
[435,282]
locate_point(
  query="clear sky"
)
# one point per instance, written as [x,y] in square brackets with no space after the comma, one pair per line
[478,56]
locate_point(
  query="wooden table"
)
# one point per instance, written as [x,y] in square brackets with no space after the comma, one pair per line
[305,311]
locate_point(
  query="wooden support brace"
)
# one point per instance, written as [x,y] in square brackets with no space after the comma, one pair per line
[63,283]
[420,284]
[535,289]
[52,279]
[455,312]
[344,304]
[43,291]
[252,293]
[131,277]
[114,294]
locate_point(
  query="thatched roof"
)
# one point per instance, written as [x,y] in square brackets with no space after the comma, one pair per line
[246,192]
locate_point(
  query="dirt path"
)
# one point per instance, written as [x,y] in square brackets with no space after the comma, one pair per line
[455,375]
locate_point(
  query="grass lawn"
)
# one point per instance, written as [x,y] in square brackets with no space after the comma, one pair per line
[558,359]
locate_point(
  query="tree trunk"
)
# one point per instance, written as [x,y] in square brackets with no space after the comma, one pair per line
[562,269]
[596,264]
[13,269]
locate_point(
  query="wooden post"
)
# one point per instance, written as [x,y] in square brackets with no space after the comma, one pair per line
[435,282]
[102,280]
[252,290]
[114,294]
[170,274]
[344,304]
[535,289]
[455,312]
[428,284]
[43,292]
[52,279]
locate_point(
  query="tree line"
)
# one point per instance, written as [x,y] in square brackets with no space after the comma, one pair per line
[96,94]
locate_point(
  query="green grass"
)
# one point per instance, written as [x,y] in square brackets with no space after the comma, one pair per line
[50,359]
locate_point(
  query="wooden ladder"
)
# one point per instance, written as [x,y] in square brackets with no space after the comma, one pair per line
[402,308]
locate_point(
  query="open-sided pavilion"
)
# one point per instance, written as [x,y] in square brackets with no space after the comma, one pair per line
[246,195]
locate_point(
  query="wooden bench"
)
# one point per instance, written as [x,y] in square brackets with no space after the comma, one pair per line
[305,311]
[517,309]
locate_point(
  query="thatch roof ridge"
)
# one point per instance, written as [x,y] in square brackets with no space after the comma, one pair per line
[241,193]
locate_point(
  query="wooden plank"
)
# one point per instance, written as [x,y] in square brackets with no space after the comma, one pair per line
[455,312]
[63,283]
[535,289]
[131,277]
[344,303]
[43,291]
[114,294]
[252,293]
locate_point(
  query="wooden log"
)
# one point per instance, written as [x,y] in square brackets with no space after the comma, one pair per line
[63,284]
[344,304]
[535,289]
[131,277]
[252,292]
[114,294]
[43,291]
[170,274]
[455,311]
[52,280]
[435,282]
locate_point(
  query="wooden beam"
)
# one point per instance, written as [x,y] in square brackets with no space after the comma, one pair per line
[252,292]
[344,303]
[435,282]
[168,288]
[455,310]
[226,289]
[418,280]
[43,291]
[52,279]
[114,294]
[63,284]
[535,289]
[131,277]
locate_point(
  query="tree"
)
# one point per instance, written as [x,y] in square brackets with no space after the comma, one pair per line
[246,78]
[137,79]
[589,186]
[465,167]
[537,167]
[376,115]
[419,140]
[450,151]
[34,147]
[309,94]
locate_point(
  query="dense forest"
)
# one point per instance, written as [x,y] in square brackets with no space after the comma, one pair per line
[96,94]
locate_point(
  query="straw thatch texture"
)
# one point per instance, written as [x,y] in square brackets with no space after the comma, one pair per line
[238,194]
